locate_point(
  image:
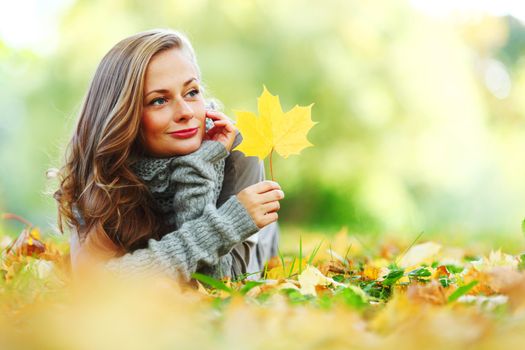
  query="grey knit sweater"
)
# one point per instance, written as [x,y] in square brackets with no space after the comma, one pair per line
[186,189]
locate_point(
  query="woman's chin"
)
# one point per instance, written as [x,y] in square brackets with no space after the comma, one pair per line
[188,148]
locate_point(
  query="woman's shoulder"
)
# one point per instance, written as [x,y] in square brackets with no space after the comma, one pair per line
[95,250]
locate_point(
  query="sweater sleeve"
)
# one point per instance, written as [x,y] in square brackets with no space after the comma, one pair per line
[250,255]
[200,241]
[198,179]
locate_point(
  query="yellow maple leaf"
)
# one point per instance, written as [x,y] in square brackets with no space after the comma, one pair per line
[274,129]
[312,277]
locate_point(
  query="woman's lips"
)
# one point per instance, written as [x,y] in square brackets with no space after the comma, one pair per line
[184,134]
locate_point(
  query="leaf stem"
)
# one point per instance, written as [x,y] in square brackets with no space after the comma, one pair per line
[410,246]
[271,166]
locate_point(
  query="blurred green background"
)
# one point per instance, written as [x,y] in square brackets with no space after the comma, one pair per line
[421,107]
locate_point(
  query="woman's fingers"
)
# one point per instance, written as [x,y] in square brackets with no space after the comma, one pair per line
[264,186]
[213,131]
[223,130]
[262,201]
[271,207]
[271,196]
[268,219]
[221,126]
[224,124]
[216,115]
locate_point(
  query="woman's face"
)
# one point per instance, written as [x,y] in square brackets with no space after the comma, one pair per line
[173,118]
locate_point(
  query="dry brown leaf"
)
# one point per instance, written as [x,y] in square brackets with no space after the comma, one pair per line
[273,262]
[431,292]
[334,266]
[440,271]
[483,286]
[28,243]
[503,278]
[516,292]
[389,250]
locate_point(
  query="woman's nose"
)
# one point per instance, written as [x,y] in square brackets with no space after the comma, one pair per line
[182,111]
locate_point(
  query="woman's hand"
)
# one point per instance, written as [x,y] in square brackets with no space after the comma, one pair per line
[223,131]
[262,201]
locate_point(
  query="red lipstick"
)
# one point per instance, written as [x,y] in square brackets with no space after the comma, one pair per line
[185,133]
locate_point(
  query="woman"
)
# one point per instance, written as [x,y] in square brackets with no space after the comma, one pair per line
[112,212]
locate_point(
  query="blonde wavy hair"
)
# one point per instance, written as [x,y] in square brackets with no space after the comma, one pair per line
[97,189]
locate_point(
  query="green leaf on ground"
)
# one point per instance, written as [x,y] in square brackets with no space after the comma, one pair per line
[461,291]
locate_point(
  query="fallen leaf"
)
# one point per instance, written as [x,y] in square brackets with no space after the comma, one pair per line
[495,259]
[503,278]
[312,277]
[274,261]
[441,270]
[484,302]
[28,243]
[431,292]
[371,272]
[418,254]
[335,267]
[287,285]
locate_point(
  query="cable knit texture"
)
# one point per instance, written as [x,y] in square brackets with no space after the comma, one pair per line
[186,189]
[183,185]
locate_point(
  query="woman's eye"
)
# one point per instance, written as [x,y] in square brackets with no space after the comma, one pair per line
[193,93]
[158,101]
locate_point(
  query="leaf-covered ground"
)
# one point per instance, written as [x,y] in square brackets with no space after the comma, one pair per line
[338,292]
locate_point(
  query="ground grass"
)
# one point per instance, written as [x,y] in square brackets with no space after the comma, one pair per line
[327,290]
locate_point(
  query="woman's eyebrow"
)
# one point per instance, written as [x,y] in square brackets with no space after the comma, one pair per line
[160,91]
[163,91]
[189,81]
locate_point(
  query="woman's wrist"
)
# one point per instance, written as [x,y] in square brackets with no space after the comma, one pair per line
[234,212]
